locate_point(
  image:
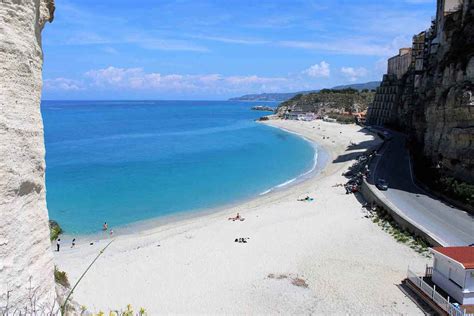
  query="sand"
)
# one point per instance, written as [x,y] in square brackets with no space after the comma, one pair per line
[314,257]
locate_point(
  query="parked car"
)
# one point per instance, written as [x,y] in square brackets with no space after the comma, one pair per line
[382,185]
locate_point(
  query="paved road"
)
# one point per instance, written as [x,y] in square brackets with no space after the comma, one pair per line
[450,225]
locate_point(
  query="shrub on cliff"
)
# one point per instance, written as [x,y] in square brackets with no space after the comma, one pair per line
[61,277]
[459,190]
[344,119]
[54,230]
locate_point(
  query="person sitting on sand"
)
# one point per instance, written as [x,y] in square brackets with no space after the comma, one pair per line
[237,218]
[307,198]
[105,226]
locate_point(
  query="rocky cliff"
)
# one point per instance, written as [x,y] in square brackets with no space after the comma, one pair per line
[328,101]
[26,260]
[440,113]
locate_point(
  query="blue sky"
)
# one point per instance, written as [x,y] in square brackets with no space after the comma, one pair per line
[204,49]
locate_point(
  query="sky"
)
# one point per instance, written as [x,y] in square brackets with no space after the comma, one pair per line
[216,49]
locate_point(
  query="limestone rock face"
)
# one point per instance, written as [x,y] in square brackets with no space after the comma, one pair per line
[447,96]
[438,113]
[26,260]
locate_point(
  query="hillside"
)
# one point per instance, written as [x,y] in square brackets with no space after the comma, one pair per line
[329,101]
[371,85]
[279,97]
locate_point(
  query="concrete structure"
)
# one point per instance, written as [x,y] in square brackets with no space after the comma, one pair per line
[300,116]
[328,119]
[26,259]
[419,51]
[435,95]
[412,207]
[453,272]
[443,9]
[384,108]
[398,65]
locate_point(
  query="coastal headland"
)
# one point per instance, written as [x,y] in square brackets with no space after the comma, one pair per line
[319,256]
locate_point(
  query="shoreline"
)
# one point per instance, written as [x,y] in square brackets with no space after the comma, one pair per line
[327,243]
[320,161]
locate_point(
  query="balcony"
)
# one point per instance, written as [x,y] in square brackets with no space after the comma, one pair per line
[434,296]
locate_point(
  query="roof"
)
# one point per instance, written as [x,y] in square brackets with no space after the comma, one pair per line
[462,255]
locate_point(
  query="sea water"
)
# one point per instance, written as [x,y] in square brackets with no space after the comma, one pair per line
[126,161]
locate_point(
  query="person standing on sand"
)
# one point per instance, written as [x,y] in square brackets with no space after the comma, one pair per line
[58,244]
[73,242]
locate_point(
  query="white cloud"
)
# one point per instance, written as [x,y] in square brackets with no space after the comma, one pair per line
[138,79]
[319,70]
[62,84]
[353,74]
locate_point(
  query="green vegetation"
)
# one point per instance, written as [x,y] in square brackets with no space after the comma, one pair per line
[344,119]
[61,277]
[54,230]
[456,189]
[388,224]
[343,91]
[329,101]
[441,182]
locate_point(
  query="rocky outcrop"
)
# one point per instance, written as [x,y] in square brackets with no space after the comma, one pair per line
[441,112]
[26,260]
[328,101]
[434,100]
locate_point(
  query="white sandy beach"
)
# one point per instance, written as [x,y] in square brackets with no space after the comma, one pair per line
[194,266]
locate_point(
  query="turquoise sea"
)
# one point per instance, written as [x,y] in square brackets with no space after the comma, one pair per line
[128,161]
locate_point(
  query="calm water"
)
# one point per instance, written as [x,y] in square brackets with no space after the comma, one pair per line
[126,161]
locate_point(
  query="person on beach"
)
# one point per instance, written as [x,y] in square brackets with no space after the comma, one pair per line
[58,244]
[105,226]
[236,218]
[73,244]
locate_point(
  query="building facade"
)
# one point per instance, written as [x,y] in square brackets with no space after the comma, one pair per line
[384,108]
[453,271]
[398,65]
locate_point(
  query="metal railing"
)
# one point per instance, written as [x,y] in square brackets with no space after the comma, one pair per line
[431,292]
[428,271]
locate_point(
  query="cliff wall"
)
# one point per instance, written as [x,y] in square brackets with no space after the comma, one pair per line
[434,101]
[449,101]
[26,260]
[441,112]
[328,101]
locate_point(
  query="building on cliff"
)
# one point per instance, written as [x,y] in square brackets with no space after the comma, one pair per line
[26,259]
[434,95]
[383,110]
[398,65]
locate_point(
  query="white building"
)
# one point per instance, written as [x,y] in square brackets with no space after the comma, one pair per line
[328,119]
[453,271]
[300,116]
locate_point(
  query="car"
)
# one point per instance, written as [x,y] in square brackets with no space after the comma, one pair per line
[382,185]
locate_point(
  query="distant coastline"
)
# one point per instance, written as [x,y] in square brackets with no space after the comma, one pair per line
[280,97]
